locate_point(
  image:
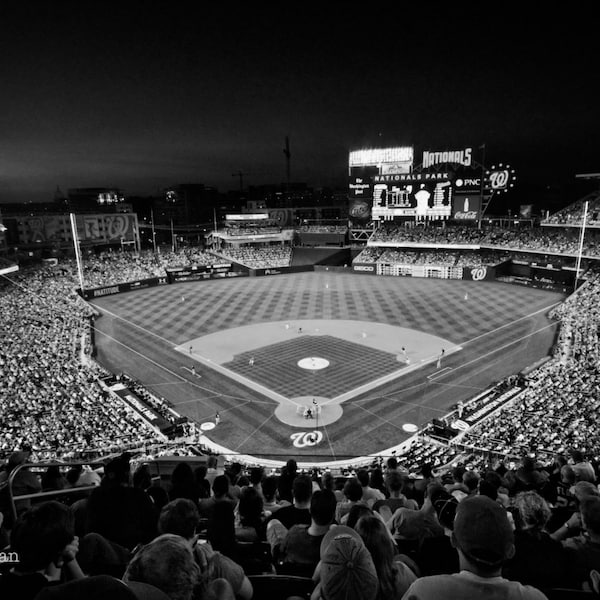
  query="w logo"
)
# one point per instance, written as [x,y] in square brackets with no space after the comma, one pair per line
[302,439]
[479,273]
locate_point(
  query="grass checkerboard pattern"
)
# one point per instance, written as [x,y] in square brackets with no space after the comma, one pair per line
[350,365]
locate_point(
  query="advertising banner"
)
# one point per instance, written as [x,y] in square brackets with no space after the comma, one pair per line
[109,290]
[466,207]
[143,409]
[365,268]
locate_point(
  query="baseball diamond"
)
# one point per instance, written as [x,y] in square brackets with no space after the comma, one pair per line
[233,347]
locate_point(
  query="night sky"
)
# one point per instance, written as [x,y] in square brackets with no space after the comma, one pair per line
[144,95]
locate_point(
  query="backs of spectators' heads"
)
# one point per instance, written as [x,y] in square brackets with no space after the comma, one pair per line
[168,564]
[40,535]
[483,535]
[302,489]
[179,517]
[322,507]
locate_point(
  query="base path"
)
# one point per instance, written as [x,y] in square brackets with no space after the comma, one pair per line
[270,358]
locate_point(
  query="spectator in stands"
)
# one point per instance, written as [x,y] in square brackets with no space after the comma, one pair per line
[257,475]
[286,480]
[397,499]
[143,480]
[484,539]
[353,493]
[250,519]
[421,484]
[328,483]
[410,527]
[584,471]
[24,482]
[436,554]
[539,560]
[167,563]
[212,469]
[220,530]
[470,481]
[269,490]
[220,494]
[297,513]
[53,479]
[358,511]
[528,477]
[181,517]
[183,483]
[394,576]
[297,549]
[369,495]
[234,474]
[345,570]
[121,513]
[43,538]
[583,551]
[202,484]
[377,481]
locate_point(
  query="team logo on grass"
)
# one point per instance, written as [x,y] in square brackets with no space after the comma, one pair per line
[302,439]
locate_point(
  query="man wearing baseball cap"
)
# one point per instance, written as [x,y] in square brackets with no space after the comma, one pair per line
[346,570]
[483,537]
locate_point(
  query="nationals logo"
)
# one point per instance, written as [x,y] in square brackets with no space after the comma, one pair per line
[479,273]
[302,439]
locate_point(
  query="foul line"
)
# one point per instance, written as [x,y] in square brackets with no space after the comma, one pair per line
[537,312]
[160,337]
[254,432]
[183,379]
[507,345]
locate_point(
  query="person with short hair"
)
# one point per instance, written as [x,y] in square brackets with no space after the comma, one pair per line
[539,560]
[369,494]
[353,492]
[583,551]
[584,471]
[220,489]
[43,539]
[394,482]
[269,491]
[484,539]
[120,513]
[181,517]
[167,563]
[297,513]
[297,550]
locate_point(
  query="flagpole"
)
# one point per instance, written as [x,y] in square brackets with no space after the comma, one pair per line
[481,184]
[77,251]
[153,232]
[585,211]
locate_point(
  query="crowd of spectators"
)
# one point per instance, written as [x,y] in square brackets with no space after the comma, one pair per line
[527,531]
[559,407]
[547,239]
[341,229]
[187,256]
[100,269]
[572,215]
[50,399]
[438,257]
[260,257]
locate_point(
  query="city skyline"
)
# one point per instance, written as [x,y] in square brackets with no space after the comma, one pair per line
[144,97]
